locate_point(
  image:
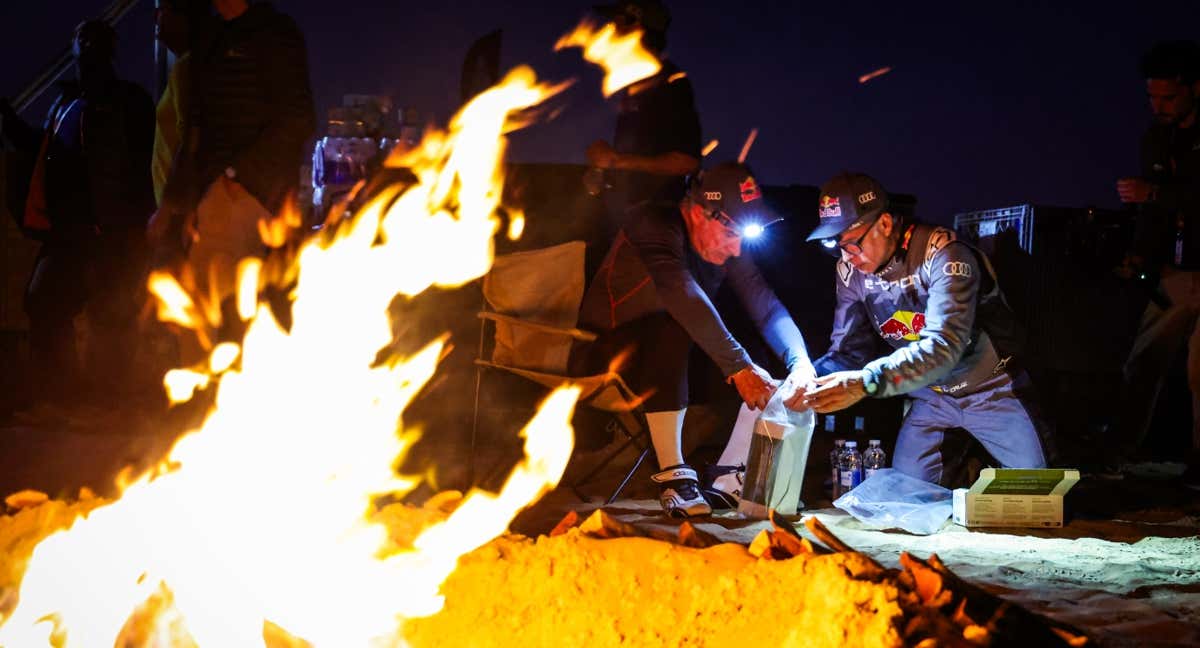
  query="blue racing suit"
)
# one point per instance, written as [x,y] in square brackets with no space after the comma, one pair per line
[937,304]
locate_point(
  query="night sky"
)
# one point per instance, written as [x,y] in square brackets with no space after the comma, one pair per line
[988,104]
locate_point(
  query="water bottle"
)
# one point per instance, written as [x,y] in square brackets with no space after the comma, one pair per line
[850,468]
[835,457]
[873,459]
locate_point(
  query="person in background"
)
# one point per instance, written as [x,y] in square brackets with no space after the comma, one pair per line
[250,116]
[1166,244]
[656,144]
[652,300]
[177,24]
[936,302]
[89,198]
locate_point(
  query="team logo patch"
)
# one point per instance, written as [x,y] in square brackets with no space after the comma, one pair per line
[956,269]
[866,197]
[750,190]
[903,325]
[829,208]
[712,195]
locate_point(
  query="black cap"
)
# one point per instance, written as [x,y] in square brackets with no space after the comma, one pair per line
[652,15]
[730,189]
[847,201]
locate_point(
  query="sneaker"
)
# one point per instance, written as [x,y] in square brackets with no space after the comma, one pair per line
[722,495]
[680,492]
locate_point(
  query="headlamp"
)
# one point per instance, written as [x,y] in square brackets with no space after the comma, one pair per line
[756,230]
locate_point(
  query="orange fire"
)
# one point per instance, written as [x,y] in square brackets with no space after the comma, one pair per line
[260,516]
[624,59]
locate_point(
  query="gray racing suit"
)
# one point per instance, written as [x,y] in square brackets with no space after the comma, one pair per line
[937,304]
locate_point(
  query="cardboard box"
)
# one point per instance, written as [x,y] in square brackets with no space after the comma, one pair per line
[1014,498]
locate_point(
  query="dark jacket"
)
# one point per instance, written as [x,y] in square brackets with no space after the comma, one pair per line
[1171,160]
[938,305]
[652,267]
[98,181]
[253,106]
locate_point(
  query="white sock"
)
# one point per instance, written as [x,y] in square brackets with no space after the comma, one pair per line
[666,434]
[737,450]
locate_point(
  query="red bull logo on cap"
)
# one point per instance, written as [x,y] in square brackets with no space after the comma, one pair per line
[829,207]
[750,190]
[903,325]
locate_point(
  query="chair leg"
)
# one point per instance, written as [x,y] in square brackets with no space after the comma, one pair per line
[629,475]
[634,439]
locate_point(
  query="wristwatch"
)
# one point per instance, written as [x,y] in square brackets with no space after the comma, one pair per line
[870,381]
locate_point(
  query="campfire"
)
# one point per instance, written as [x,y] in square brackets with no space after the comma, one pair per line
[261,527]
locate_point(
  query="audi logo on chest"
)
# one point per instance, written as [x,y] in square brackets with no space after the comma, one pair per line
[712,195]
[956,269]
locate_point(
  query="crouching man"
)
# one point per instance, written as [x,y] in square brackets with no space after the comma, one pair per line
[936,302]
[651,301]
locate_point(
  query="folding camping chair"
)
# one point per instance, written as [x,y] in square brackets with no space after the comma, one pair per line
[531,300]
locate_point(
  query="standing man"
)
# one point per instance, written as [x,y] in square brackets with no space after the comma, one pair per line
[251,115]
[88,202]
[652,299]
[936,302]
[657,139]
[1167,244]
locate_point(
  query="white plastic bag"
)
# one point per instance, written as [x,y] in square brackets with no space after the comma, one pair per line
[892,500]
[778,454]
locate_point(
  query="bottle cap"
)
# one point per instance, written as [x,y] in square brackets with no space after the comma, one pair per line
[851,444]
[875,442]
[840,442]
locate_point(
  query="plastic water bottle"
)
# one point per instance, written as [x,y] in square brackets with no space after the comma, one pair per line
[873,459]
[850,468]
[835,458]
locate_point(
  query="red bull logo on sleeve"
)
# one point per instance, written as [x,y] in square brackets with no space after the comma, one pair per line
[749,190]
[903,325]
[829,207]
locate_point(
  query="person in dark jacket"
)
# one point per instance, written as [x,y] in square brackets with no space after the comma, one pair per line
[652,300]
[936,302]
[1167,241]
[251,113]
[89,198]
[656,144]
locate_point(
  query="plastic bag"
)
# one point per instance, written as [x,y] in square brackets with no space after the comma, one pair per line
[778,454]
[892,500]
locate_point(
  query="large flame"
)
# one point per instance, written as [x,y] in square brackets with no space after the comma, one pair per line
[261,515]
[624,59]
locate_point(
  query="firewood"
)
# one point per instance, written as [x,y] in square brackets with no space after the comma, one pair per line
[984,618]
[690,536]
[569,521]
[604,526]
[26,499]
[826,536]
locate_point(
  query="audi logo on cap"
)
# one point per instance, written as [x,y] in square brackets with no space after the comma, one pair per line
[866,198]
[712,195]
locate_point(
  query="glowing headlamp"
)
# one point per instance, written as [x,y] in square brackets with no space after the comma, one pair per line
[755,230]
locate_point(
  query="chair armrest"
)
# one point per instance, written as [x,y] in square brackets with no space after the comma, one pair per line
[578,334]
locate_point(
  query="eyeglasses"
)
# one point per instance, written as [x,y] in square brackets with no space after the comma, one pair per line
[853,248]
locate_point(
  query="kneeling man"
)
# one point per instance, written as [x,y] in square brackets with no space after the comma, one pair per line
[936,302]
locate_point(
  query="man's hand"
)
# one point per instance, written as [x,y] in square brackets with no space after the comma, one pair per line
[1134,190]
[754,385]
[601,155]
[802,379]
[834,392]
